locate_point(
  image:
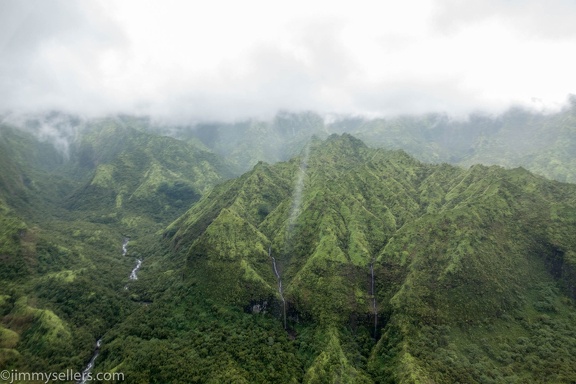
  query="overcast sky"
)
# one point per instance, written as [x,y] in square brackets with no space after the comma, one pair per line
[225,60]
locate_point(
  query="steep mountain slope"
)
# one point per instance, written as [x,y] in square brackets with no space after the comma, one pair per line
[106,168]
[138,173]
[31,178]
[452,253]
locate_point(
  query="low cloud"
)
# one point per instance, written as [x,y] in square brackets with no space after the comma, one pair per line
[60,130]
[222,61]
[553,19]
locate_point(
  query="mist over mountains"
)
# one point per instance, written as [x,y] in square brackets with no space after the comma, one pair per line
[542,143]
[418,248]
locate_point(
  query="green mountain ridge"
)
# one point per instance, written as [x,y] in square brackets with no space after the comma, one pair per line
[451,248]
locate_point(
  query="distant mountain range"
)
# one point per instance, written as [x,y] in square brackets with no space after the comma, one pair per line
[542,143]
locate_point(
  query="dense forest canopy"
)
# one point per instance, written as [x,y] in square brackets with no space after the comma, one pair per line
[289,250]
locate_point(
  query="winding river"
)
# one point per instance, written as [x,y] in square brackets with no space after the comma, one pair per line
[86,372]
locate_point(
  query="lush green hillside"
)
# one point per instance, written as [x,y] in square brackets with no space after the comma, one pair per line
[474,276]
[107,170]
[33,171]
[71,192]
[139,174]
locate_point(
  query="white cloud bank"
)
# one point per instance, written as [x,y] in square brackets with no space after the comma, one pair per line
[228,60]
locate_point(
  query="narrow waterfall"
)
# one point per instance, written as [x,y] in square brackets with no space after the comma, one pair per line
[136,268]
[280,291]
[373,294]
[86,373]
[125,246]
[294,213]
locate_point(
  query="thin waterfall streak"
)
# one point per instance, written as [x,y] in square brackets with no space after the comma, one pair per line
[280,289]
[125,246]
[372,272]
[294,213]
[284,307]
[275,270]
[373,293]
